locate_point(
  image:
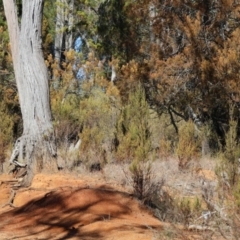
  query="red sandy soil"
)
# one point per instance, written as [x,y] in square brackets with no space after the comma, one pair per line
[62,206]
[67,206]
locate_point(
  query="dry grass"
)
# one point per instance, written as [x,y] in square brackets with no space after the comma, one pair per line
[176,201]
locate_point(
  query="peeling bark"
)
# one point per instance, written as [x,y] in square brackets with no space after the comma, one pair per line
[37,141]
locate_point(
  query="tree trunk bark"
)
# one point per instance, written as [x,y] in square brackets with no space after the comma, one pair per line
[59,28]
[70,21]
[37,142]
[63,28]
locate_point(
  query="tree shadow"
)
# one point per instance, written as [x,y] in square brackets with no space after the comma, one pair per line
[70,213]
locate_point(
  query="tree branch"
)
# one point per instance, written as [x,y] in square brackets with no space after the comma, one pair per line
[172,120]
[178,114]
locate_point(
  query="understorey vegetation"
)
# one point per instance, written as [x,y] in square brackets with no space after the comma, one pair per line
[137,84]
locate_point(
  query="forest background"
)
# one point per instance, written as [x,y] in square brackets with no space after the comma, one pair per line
[136,82]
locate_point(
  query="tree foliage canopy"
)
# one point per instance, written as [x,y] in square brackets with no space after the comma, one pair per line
[185,55]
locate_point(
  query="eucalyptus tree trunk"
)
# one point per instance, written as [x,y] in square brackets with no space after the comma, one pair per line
[152,16]
[33,150]
[63,27]
[59,28]
[70,21]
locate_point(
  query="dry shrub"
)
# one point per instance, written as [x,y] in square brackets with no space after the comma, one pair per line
[98,116]
[165,148]
[168,232]
[65,114]
[151,190]
[235,226]
[228,170]
[67,126]
[144,182]
[2,155]
[93,120]
[171,209]
[188,144]
[6,132]
[168,136]
[188,209]
[81,109]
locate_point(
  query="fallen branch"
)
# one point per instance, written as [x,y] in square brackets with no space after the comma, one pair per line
[11,199]
[199,228]
[217,209]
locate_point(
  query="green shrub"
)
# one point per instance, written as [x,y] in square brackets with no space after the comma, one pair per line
[98,115]
[66,121]
[135,146]
[229,156]
[142,181]
[188,144]
[133,130]
[91,118]
[188,209]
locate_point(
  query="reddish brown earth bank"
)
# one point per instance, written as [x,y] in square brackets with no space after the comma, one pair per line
[63,206]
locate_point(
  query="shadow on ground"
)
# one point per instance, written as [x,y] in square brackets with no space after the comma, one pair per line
[78,213]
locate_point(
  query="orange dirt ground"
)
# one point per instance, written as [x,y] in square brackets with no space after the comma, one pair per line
[68,206]
[63,206]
